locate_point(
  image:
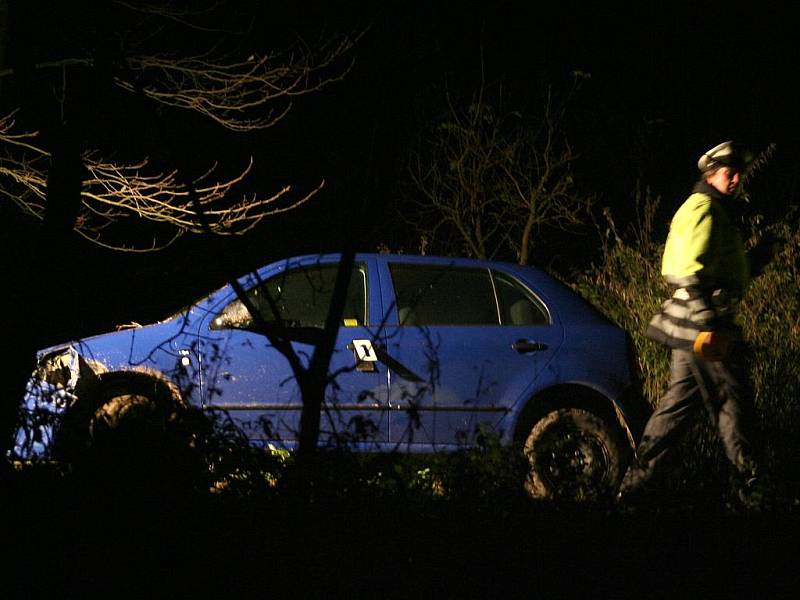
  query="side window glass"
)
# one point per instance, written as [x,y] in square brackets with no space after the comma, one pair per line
[518,306]
[432,295]
[301,298]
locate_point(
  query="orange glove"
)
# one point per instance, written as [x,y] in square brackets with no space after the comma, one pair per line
[712,345]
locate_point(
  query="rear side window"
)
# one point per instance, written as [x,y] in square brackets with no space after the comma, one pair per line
[301,298]
[433,295]
[518,306]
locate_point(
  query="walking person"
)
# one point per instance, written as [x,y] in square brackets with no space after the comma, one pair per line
[705,263]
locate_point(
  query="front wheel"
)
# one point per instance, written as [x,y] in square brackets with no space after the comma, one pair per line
[140,430]
[131,420]
[573,455]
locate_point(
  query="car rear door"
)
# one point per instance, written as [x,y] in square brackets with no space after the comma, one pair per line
[250,378]
[466,343]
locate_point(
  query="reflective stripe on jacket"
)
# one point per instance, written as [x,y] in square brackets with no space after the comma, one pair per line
[688,312]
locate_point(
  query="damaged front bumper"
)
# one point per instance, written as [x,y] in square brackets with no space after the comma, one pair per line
[58,381]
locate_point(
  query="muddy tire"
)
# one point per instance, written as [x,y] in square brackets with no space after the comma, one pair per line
[139,432]
[573,455]
[130,419]
[135,410]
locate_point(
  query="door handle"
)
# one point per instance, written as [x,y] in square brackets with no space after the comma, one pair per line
[525,346]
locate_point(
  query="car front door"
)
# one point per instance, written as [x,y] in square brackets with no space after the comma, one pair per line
[247,376]
[467,345]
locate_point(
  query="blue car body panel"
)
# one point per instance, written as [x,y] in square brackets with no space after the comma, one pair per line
[394,384]
[243,374]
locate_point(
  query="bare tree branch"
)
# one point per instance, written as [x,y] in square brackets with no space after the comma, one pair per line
[234,93]
[488,180]
[114,192]
[166,10]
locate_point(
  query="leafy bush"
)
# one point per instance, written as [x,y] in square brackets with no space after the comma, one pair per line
[771,321]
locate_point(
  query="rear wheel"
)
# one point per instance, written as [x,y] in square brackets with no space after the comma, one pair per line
[573,455]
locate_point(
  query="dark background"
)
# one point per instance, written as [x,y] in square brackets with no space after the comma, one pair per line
[666,82]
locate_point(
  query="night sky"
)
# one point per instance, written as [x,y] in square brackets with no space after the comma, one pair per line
[667,81]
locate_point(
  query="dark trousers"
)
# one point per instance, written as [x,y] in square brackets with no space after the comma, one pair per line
[722,390]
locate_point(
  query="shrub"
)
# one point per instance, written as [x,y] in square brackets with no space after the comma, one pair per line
[771,320]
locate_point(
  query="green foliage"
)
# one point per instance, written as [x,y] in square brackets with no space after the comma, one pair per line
[234,468]
[485,478]
[771,321]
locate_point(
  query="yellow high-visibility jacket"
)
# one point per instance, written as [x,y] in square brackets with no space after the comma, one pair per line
[704,247]
[704,260]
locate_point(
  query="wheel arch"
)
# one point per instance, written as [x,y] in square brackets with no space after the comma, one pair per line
[73,437]
[572,395]
[147,382]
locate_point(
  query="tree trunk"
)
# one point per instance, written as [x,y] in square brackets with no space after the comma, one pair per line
[525,242]
[39,281]
[316,378]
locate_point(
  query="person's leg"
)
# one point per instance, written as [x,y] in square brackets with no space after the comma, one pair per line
[731,409]
[674,412]
[728,397]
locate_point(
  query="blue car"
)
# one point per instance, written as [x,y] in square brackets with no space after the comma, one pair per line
[430,354]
